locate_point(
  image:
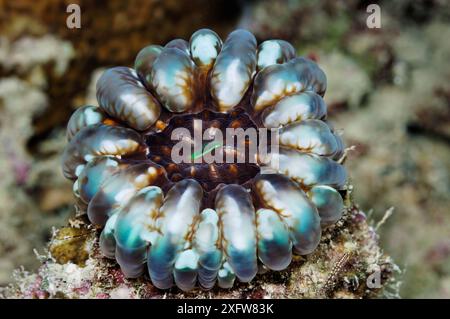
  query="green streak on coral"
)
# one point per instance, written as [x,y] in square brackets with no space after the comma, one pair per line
[208,148]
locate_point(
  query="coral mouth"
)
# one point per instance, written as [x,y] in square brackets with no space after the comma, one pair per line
[209,150]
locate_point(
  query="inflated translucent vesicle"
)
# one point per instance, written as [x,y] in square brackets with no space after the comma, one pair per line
[293,108]
[121,94]
[226,276]
[143,63]
[306,168]
[310,75]
[135,226]
[276,81]
[274,52]
[97,140]
[94,173]
[117,190]
[207,246]
[274,243]
[179,44]
[179,214]
[237,217]
[233,70]
[341,147]
[107,240]
[329,203]
[185,270]
[205,46]
[82,117]
[173,77]
[310,136]
[283,196]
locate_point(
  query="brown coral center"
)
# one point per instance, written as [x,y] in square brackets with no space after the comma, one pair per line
[212,148]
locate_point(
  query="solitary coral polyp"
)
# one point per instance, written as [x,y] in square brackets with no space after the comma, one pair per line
[201,222]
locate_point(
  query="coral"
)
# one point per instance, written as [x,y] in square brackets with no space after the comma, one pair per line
[215,215]
[404,109]
[339,268]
